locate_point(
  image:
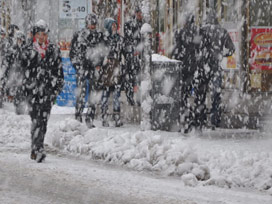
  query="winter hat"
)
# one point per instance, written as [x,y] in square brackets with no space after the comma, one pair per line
[91,19]
[40,26]
[137,9]
[108,24]
[11,29]
[20,35]
[189,19]
[2,31]
[211,18]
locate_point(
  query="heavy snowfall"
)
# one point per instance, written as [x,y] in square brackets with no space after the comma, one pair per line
[112,160]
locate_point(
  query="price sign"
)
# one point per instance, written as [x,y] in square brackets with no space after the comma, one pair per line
[72,8]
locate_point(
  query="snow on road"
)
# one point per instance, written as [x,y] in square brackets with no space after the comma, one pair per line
[233,167]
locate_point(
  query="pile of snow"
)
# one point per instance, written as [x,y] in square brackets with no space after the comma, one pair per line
[140,150]
[240,169]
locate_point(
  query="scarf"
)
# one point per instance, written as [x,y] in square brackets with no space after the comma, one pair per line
[41,49]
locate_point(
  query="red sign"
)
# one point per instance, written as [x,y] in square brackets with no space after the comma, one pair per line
[261,48]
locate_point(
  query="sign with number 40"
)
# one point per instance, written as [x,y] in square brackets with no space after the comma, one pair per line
[72,8]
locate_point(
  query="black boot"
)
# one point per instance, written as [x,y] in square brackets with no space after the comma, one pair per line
[78,118]
[89,123]
[105,121]
[117,119]
[33,155]
[38,155]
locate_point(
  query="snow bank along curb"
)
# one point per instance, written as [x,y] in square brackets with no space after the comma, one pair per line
[172,157]
[139,150]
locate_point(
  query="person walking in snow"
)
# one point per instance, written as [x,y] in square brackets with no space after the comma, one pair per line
[134,47]
[7,47]
[186,50]
[87,54]
[2,52]
[43,81]
[216,44]
[13,72]
[111,75]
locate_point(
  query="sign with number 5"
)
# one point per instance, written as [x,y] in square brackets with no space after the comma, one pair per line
[72,8]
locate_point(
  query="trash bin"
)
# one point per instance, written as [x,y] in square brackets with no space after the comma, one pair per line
[166,95]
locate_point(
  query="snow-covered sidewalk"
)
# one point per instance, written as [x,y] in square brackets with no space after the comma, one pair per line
[236,159]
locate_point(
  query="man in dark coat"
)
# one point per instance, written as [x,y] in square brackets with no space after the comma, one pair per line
[13,73]
[134,47]
[111,75]
[43,81]
[217,44]
[7,56]
[87,55]
[186,50]
[3,40]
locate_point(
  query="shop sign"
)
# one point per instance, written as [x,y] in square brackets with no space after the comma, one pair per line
[72,9]
[231,62]
[261,48]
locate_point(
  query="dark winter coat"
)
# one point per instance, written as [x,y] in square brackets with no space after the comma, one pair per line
[12,67]
[186,49]
[114,69]
[132,33]
[133,45]
[44,77]
[3,43]
[87,51]
[216,44]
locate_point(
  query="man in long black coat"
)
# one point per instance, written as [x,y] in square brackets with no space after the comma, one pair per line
[87,54]
[134,46]
[111,76]
[186,50]
[43,81]
[216,44]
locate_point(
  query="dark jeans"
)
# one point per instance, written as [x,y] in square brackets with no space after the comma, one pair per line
[82,83]
[216,91]
[116,102]
[39,114]
[199,109]
[93,99]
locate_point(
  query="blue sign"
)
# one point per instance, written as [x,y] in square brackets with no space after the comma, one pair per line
[68,95]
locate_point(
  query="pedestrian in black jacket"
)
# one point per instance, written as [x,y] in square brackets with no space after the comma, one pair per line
[112,71]
[217,44]
[134,47]
[43,82]
[87,54]
[3,40]
[7,55]
[13,72]
[187,48]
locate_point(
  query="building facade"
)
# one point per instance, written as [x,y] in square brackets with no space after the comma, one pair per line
[249,23]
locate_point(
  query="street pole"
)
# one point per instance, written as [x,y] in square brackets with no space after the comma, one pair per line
[146,86]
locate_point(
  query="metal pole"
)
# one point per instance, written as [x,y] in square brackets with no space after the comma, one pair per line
[146,100]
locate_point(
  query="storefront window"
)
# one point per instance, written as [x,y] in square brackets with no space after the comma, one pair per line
[261,13]
[162,4]
[229,10]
